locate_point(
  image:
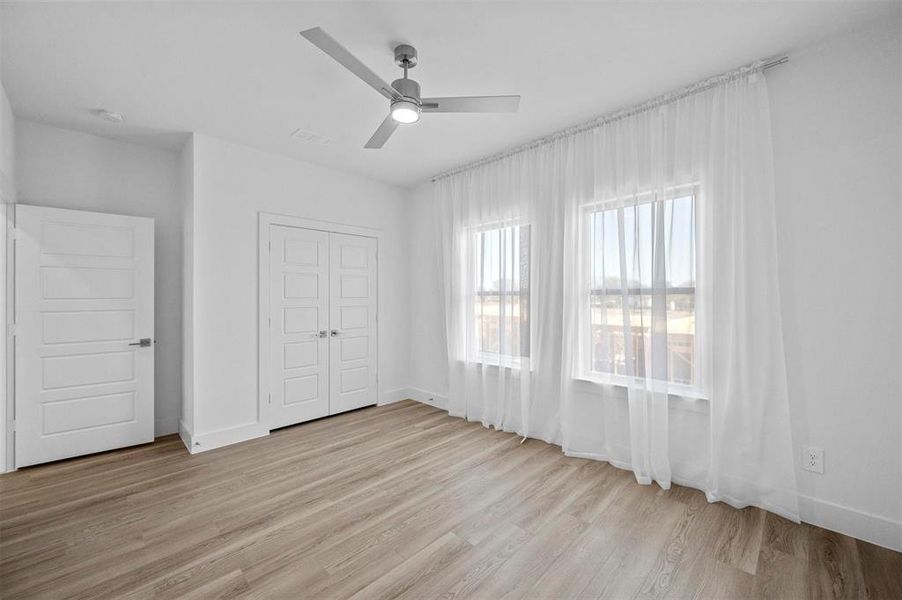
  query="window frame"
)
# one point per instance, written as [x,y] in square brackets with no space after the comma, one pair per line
[476,234]
[584,370]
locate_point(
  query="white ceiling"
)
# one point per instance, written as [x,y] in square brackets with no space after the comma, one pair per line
[241,71]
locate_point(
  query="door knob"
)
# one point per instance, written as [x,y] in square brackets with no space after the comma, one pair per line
[335,333]
[322,333]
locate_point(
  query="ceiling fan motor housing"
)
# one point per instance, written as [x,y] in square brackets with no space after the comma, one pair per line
[407,88]
[406,55]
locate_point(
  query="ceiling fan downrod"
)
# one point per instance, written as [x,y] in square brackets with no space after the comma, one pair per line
[406,58]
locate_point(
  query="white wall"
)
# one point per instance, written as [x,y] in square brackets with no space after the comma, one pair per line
[7,148]
[186,198]
[7,199]
[428,361]
[836,116]
[836,123]
[232,184]
[66,169]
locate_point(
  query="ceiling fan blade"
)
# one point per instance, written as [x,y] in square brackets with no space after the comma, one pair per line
[383,133]
[472,104]
[327,44]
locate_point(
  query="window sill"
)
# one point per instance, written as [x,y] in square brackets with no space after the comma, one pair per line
[674,390]
[509,362]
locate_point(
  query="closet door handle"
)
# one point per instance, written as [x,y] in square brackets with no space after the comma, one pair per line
[335,333]
[321,334]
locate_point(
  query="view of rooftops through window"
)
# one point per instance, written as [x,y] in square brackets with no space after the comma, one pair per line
[643,260]
[502,291]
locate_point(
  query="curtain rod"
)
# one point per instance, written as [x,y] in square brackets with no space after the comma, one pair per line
[695,88]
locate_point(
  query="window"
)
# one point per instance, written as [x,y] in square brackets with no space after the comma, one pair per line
[501,306]
[641,263]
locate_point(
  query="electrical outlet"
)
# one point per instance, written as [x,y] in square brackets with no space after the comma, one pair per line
[813,459]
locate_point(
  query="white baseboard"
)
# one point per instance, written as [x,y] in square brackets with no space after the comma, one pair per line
[410,393]
[426,397]
[201,442]
[185,435]
[852,522]
[392,396]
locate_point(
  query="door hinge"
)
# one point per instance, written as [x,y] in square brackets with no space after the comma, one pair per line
[11,329]
[269,245]
[269,398]
[11,233]
[14,425]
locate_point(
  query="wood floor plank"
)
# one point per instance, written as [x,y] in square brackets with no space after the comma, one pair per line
[605,483]
[834,570]
[652,521]
[431,559]
[684,558]
[230,585]
[255,532]
[787,537]
[881,570]
[400,501]
[740,541]
[274,504]
[464,574]
[605,535]
[336,526]
[780,575]
[720,581]
[525,567]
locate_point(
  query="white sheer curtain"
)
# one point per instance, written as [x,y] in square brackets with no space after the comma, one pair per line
[613,289]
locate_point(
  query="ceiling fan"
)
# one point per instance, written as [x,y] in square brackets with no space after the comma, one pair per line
[404,94]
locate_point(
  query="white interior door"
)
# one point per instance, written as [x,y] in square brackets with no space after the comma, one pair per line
[352,356]
[83,300]
[299,323]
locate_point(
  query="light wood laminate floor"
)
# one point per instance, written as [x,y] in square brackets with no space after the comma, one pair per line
[400,501]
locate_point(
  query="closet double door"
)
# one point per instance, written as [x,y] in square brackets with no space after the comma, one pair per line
[323,302]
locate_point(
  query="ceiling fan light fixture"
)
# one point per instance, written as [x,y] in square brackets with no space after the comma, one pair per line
[405,111]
